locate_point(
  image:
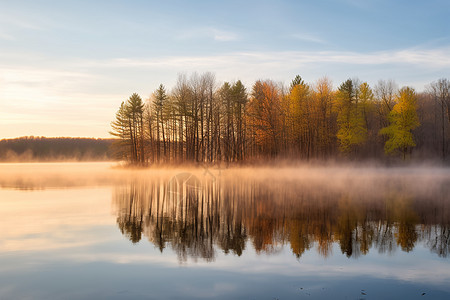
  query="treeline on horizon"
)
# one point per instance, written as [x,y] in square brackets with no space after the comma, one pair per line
[28,149]
[201,121]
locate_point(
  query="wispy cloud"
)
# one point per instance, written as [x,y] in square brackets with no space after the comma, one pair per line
[427,59]
[10,26]
[209,33]
[6,36]
[60,78]
[24,22]
[308,38]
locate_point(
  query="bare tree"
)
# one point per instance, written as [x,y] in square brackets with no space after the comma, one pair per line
[440,91]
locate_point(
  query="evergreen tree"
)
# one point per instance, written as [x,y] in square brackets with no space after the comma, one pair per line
[129,128]
[119,130]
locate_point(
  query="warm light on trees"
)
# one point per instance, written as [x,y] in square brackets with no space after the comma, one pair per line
[129,128]
[201,121]
[403,119]
[350,117]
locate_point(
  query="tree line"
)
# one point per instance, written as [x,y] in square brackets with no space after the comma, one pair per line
[54,149]
[199,120]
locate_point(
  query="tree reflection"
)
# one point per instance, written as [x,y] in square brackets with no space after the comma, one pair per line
[197,217]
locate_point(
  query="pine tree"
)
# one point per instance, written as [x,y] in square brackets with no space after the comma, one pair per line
[119,130]
[129,128]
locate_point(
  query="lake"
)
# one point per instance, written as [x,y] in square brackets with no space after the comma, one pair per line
[95,231]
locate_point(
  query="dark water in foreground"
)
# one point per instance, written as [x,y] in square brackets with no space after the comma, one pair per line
[86,231]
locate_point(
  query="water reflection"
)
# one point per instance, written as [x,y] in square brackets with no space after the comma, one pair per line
[196,216]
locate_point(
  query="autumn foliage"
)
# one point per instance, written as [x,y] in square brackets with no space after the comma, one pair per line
[200,121]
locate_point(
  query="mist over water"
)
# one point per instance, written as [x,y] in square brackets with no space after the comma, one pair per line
[336,176]
[292,222]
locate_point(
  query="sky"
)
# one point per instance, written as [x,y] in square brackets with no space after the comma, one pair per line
[65,66]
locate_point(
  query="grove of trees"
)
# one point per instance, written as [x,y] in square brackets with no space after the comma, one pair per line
[202,121]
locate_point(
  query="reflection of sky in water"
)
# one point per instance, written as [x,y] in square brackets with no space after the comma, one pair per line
[65,243]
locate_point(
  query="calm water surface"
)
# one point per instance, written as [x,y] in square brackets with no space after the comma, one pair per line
[90,231]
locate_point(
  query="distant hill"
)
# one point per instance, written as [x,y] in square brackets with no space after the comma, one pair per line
[26,149]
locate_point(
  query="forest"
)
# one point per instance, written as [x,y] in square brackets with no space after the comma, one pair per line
[25,149]
[202,121]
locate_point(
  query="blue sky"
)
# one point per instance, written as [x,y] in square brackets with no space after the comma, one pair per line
[65,66]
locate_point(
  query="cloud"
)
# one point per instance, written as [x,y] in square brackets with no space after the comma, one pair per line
[5,36]
[439,58]
[412,67]
[308,38]
[24,21]
[209,33]
[432,58]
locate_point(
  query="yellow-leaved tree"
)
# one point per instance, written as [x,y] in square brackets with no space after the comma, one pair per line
[403,119]
[299,116]
[350,118]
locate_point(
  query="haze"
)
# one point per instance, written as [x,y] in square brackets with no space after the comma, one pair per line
[351,178]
